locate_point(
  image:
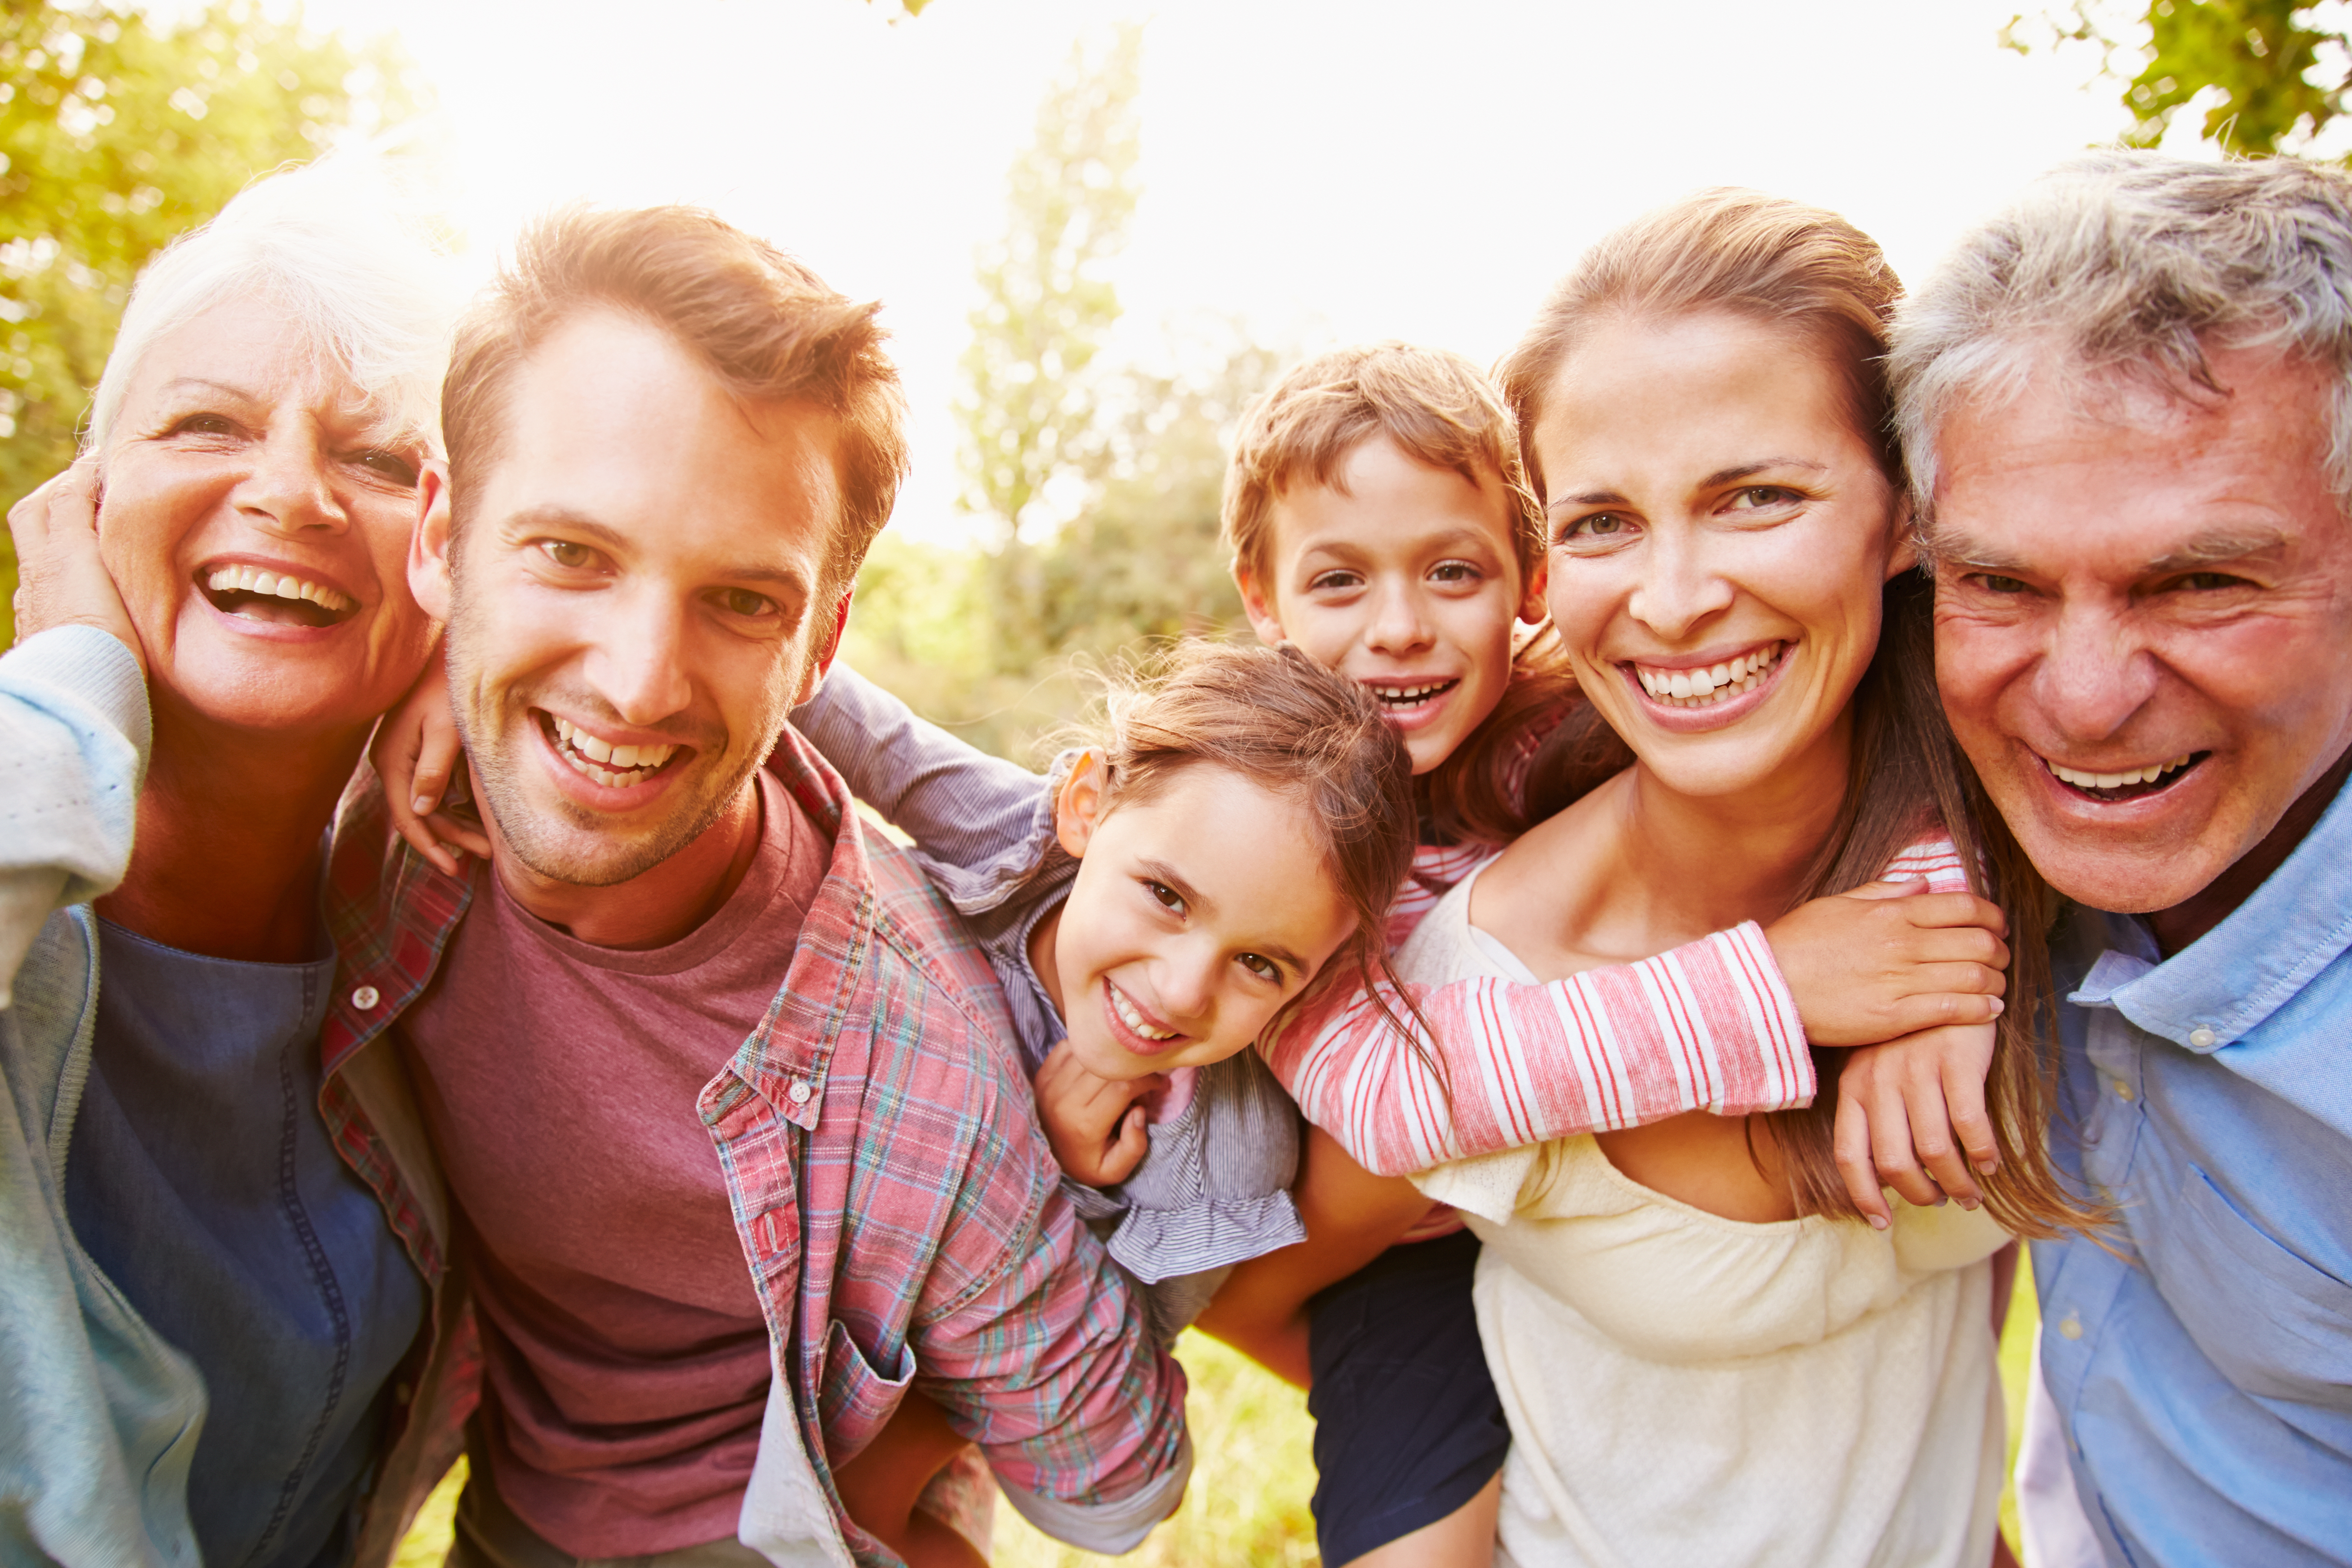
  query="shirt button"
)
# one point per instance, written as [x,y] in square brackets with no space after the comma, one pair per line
[366,997]
[798,1093]
[2123,1091]
[2072,1328]
[2201,1038]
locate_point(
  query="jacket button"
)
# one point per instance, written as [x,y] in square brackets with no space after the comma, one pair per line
[798,1093]
[366,997]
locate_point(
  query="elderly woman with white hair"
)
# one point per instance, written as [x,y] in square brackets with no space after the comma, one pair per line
[203,1308]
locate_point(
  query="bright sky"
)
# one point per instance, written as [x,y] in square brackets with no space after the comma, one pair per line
[1326,171]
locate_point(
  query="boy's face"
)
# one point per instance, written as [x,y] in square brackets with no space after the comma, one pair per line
[1402,578]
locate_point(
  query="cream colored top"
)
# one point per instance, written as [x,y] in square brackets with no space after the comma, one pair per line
[1686,1389]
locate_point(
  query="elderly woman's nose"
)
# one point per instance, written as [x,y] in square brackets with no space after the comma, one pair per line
[291,488]
[1679,587]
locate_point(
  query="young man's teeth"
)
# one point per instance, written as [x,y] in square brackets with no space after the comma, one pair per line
[1704,688]
[1134,1020]
[252,580]
[630,764]
[2148,775]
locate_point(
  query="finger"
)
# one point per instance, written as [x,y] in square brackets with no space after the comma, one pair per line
[420,836]
[1964,1096]
[1890,1144]
[1907,888]
[459,835]
[1936,1009]
[1955,910]
[1932,1140]
[1134,1143]
[1851,1139]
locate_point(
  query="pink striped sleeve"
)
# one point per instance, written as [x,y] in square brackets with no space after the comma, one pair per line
[1708,1026]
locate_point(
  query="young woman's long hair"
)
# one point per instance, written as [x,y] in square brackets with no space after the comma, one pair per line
[1826,282]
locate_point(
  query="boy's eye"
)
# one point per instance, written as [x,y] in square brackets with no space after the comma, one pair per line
[1262,967]
[1168,898]
[1456,572]
[1325,582]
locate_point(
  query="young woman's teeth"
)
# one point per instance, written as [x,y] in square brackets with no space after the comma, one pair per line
[252,580]
[1133,1019]
[1704,688]
[1409,696]
[627,765]
[2129,777]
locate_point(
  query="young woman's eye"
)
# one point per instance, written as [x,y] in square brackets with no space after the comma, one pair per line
[1598,528]
[1262,967]
[743,602]
[1168,898]
[570,556]
[1756,498]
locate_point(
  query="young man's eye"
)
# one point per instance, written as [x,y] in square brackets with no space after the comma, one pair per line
[1167,898]
[565,554]
[1262,967]
[743,602]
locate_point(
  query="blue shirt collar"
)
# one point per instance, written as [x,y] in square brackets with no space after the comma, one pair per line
[2223,987]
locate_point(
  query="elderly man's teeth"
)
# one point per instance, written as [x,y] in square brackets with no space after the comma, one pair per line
[630,764]
[1134,1020]
[252,580]
[2148,775]
[1715,683]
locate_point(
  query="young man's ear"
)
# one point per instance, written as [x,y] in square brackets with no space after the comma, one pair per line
[428,546]
[1258,607]
[1078,809]
[828,650]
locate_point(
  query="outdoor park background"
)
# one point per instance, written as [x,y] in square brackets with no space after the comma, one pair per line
[1098,228]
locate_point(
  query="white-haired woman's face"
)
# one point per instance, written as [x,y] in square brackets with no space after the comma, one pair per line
[1719,535]
[257,520]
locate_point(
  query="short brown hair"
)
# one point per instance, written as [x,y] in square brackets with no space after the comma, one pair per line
[1435,405]
[765,325]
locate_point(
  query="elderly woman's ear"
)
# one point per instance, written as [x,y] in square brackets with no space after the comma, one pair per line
[429,547]
[60,578]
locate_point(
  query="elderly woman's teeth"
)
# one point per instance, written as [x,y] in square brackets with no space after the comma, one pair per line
[252,580]
[1718,683]
[1134,1020]
[2148,775]
[629,764]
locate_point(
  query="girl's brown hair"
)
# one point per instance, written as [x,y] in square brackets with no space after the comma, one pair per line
[1826,283]
[1277,719]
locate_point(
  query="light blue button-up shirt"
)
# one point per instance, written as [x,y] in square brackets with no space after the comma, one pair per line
[2204,1377]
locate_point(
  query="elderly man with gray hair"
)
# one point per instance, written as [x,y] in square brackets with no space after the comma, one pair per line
[2127,404]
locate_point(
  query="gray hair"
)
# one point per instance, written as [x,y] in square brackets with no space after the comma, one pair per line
[342,249]
[2130,263]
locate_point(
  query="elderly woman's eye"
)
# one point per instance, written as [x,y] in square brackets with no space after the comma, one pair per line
[391,465]
[202,424]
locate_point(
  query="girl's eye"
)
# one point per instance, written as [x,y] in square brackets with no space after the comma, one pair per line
[565,554]
[1264,968]
[1168,897]
[743,602]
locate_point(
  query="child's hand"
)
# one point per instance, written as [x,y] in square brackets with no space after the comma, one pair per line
[1890,959]
[1095,1126]
[1917,1101]
[415,751]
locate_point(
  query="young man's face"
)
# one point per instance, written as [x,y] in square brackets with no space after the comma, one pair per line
[1401,577]
[632,602]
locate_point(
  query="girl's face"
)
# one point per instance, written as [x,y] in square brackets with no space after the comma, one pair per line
[1719,533]
[1197,913]
[256,517]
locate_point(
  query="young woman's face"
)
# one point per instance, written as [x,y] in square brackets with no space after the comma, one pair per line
[1197,913]
[1719,533]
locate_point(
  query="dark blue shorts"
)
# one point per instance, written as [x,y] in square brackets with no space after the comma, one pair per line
[1407,1424]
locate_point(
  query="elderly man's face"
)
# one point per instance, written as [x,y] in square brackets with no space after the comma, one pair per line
[2143,621]
[632,599]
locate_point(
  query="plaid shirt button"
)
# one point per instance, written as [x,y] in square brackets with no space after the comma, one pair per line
[798,1093]
[366,997]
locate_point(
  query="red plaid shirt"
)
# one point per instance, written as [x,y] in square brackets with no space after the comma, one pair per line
[899,1211]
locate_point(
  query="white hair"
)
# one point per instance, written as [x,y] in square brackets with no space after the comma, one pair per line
[2130,263]
[340,247]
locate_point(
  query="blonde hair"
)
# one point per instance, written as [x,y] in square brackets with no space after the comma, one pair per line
[1435,405]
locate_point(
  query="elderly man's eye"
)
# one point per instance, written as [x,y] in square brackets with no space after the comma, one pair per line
[1994,583]
[565,554]
[2208,582]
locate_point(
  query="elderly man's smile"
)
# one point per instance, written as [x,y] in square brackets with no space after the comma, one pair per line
[2135,782]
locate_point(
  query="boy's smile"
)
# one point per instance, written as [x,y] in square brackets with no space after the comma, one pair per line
[1402,577]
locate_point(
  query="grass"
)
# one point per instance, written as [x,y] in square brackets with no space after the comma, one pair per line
[1246,1507]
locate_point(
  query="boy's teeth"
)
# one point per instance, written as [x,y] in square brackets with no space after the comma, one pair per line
[1134,1020]
[1410,693]
[1703,687]
[630,764]
[2148,775]
[252,580]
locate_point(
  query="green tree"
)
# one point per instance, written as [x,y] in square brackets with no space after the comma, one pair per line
[2280,78]
[1031,407]
[117,133]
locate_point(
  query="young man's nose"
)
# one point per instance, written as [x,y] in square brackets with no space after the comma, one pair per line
[638,657]
[2092,675]
[1679,588]
[287,489]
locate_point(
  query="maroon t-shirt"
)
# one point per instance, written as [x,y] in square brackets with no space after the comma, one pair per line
[626,1362]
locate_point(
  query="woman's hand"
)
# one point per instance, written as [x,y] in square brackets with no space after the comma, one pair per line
[1097,1126]
[415,751]
[61,580]
[1911,1115]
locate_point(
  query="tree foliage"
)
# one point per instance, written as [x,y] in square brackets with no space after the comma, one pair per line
[117,133]
[2279,77]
